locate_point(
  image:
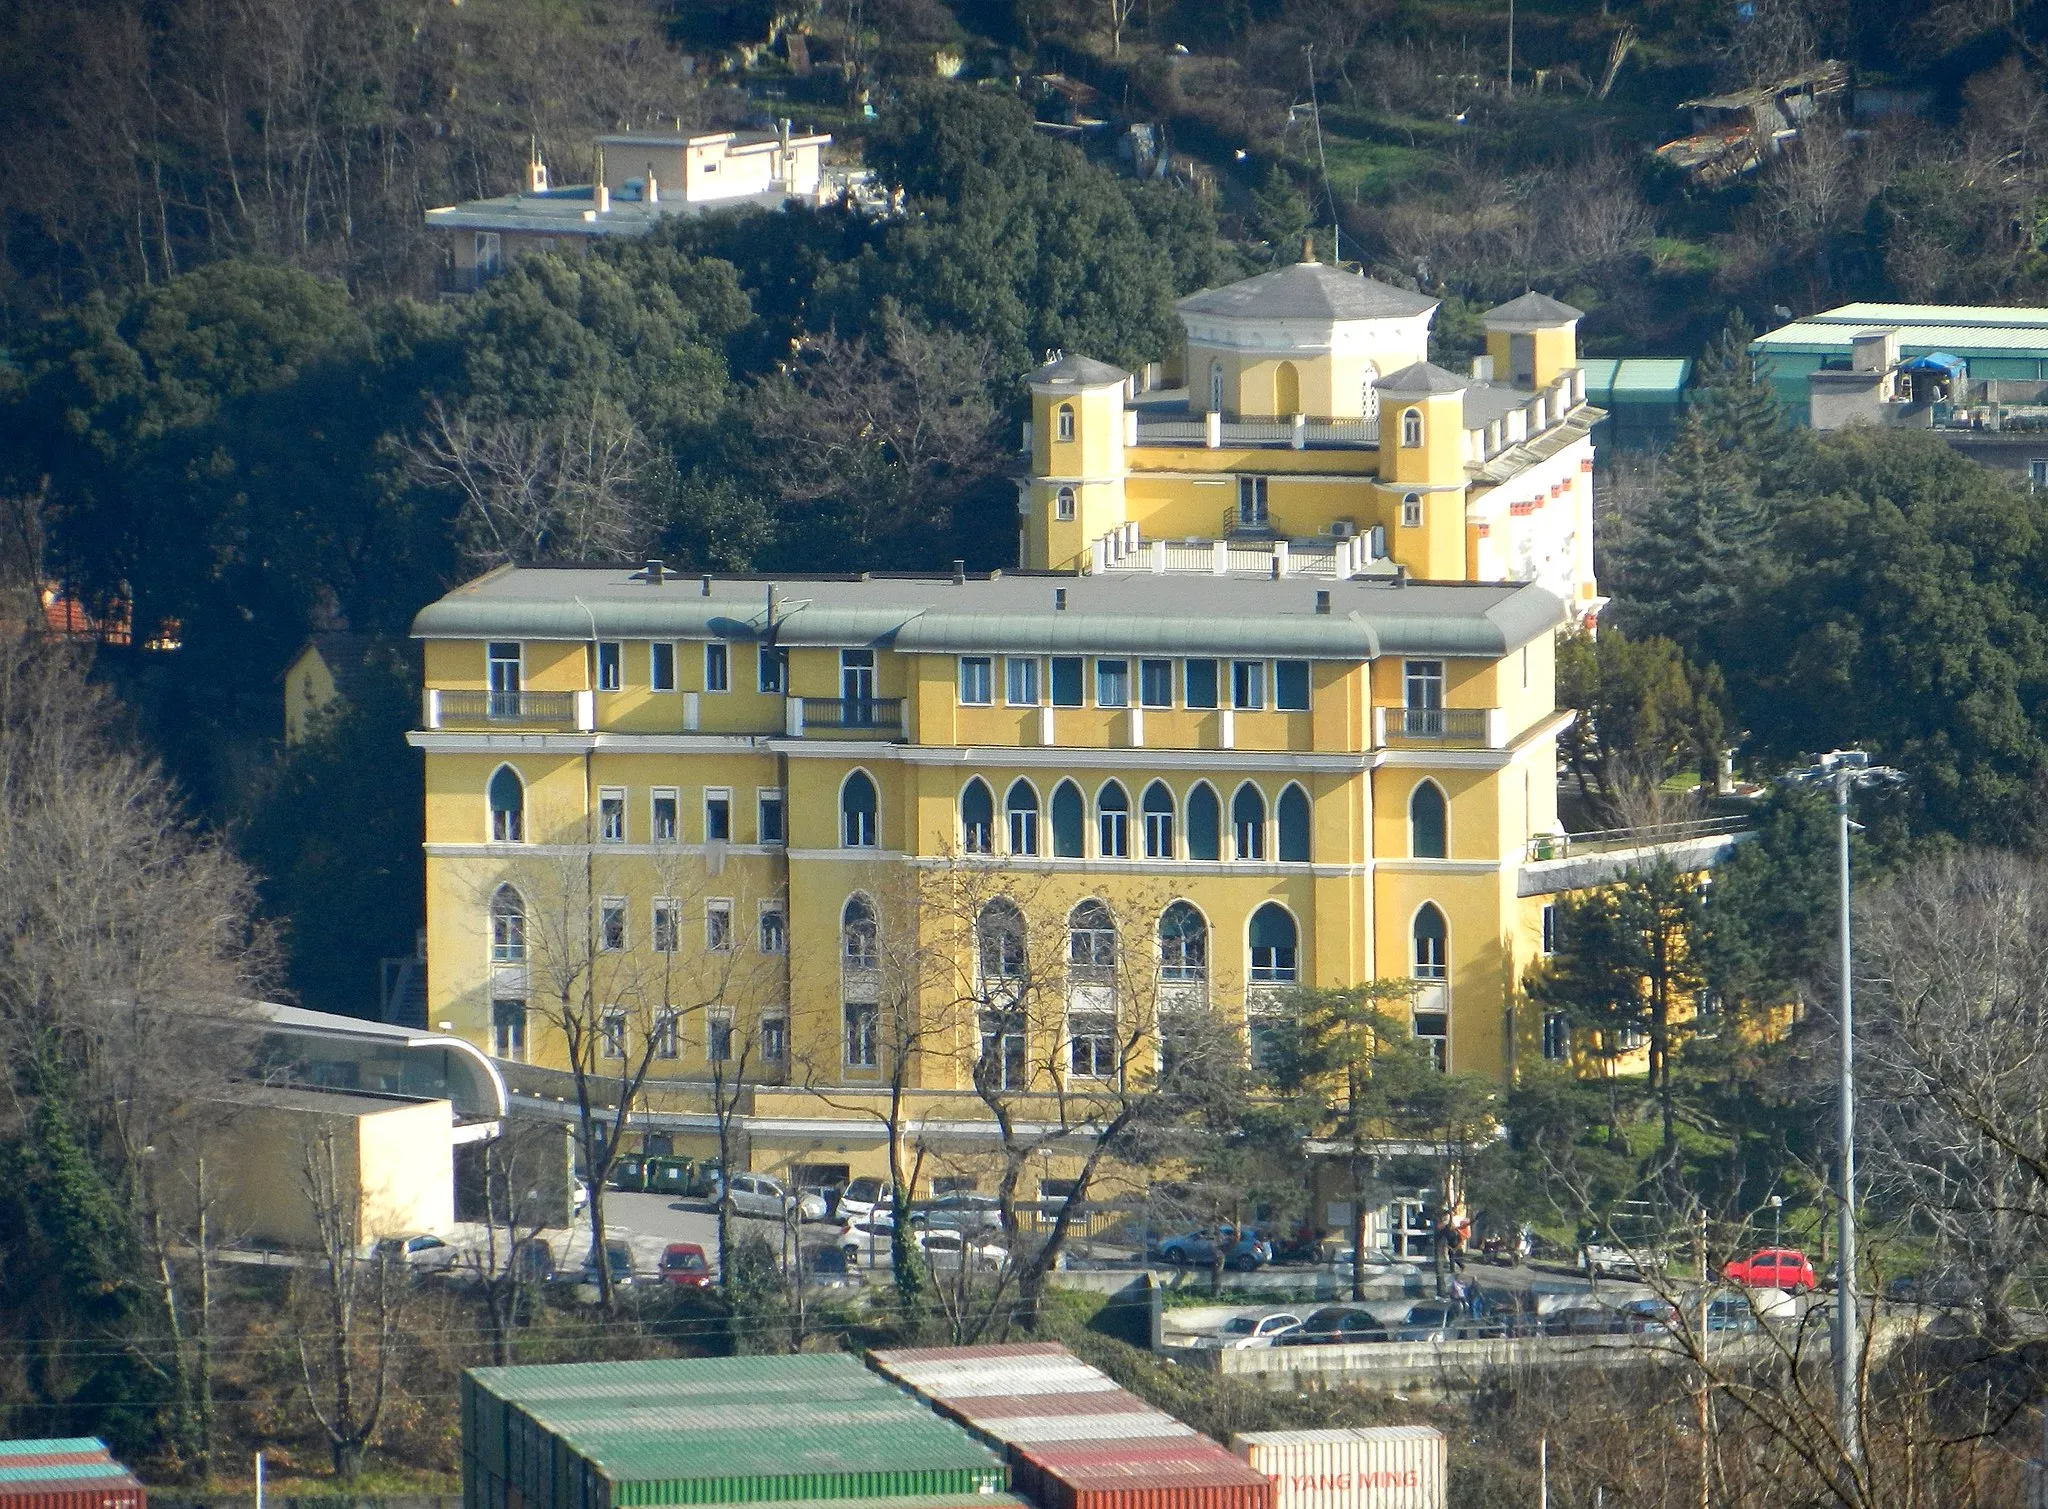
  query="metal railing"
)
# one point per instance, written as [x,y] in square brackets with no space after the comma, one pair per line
[1171,431]
[1196,429]
[1437,725]
[852,717]
[522,709]
[1607,840]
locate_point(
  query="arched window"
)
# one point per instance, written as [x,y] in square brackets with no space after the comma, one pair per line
[1287,389]
[508,807]
[1091,942]
[1248,822]
[1432,944]
[1292,812]
[1216,387]
[1063,504]
[1066,421]
[999,934]
[1273,938]
[860,943]
[857,826]
[977,818]
[508,926]
[1158,805]
[1411,428]
[1183,945]
[1069,816]
[1369,399]
[1113,821]
[1022,805]
[1205,823]
[1428,828]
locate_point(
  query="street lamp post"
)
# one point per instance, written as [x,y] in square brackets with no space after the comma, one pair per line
[1846,770]
[1777,1220]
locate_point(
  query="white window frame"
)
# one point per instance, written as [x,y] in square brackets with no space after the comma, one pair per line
[655,798]
[611,909]
[657,681]
[721,796]
[718,1037]
[611,1032]
[611,665]
[1101,1053]
[1148,663]
[764,798]
[1063,422]
[611,803]
[1033,673]
[717,666]
[668,1035]
[983,669]
[1548,934]
[1411,429]
[718,937]
[508,1033]
[1255,681]
[1557,1036]
[771,931]
[666,921]
[774,1039]
[1064,507]
[869,1015]
[771,668]
[1411,511]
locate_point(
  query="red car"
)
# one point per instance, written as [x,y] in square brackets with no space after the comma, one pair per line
[1773,1268]
[684,1265]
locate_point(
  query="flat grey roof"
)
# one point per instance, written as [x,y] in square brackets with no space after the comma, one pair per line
[559,212]
[1112,612]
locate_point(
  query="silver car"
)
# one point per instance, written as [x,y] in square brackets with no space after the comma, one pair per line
[762,1196]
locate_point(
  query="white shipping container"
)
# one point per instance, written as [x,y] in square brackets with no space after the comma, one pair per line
[1383,1467]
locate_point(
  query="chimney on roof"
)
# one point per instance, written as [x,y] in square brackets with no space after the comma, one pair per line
[604,199]
[652,193]
[1322,602]
[959,573]
[1400,575]
[536,170]
[654,570]
[707,584]
[1059,599]
[1308,247]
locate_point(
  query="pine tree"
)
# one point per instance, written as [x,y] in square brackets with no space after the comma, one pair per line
[1684,562]
[1741,414]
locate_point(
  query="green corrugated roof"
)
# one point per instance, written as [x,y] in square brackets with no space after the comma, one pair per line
[1652,377]
[62,1472]
[60,1445]
[1835,339]
[1958,315]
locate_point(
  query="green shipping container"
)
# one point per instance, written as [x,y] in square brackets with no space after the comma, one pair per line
[740,1430]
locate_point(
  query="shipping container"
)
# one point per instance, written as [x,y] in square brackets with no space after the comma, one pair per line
[1192,1473]
[70,1472]
[1384,1467]
[742,1430]
[90,1445]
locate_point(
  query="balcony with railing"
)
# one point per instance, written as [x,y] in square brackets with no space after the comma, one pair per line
[1334,556]
[539,711]
[846,718]
[1439,728]
[1178,425]
[1545,846]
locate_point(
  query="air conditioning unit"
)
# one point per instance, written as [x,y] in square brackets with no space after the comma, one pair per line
[1343,529]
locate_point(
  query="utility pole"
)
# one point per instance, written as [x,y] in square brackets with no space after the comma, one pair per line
[1845,770]
[1511,47]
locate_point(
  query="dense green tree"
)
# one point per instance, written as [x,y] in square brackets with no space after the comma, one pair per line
[1738,409]
[1770,916]
[1644,716]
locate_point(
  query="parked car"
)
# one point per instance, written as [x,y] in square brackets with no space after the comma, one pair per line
[1936,1286]
[618,1257]
[826,1197]
[1248,1332]
[419,1254]
[867,1241]
[1600,1260]
[1434,1320]
[1731,1313]
[684,1265]
[863,1197]
[1650,1316]
[1377,1260]
[762,1196]
[961,1211]
[948,1249]
[533,1261]
[1245,1252]
[1584,1320]
[1334,1324]
[1773,1268]
[829,1267]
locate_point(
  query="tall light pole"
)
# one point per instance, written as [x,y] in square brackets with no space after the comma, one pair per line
[1847,770]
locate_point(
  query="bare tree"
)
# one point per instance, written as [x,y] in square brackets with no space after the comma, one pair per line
[523,1166]
[569,488]
[346,1331]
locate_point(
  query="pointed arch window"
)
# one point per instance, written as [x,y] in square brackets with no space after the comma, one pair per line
[1205,823]
[858,828]
[1428,822]
[1069,819]
[1183,945]
[1022,808]
[1158,808]
[977,818]
[860,942]
[1292,812]
[1411,428]
[1248,822]
[1113,821]
[508,807]
[1369,399]
[1273,938]
[1431,970]
[1432,944]
[508,926]
[999,934]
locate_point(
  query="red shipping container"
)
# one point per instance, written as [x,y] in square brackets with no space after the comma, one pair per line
[990,1408]
[117,1492]
[1174,1473]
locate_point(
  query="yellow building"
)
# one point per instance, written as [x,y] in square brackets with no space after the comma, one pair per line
[1313,438]
[737,789]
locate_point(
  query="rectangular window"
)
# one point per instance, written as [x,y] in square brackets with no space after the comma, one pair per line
[668,1039]
[768,817]
[977,681]
[717,668]
[1251,502]
[1557,1036]
[1248,685]
[2037,473]
[857,676]
[771,668]
[611,924]
[504,680]
[1155,683]
[1422,693]
[661,667]
[668,927]
[774,1039]
[1549,927]
[1290,686]
[774,931]
[611,815]
[1433,1029]
[1066,680]
[663,812]
[508,1030]
[610,666]
[1091,1051]
[718,926]
[508,936]
[863,1029]
[1198,677]
[611,1033]
[717,816]
[718,1039]
[1112,683]
[1020,682]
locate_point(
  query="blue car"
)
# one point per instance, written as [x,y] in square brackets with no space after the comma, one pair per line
[1243,1252]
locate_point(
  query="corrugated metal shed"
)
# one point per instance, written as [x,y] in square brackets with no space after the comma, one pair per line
[1191,1474]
